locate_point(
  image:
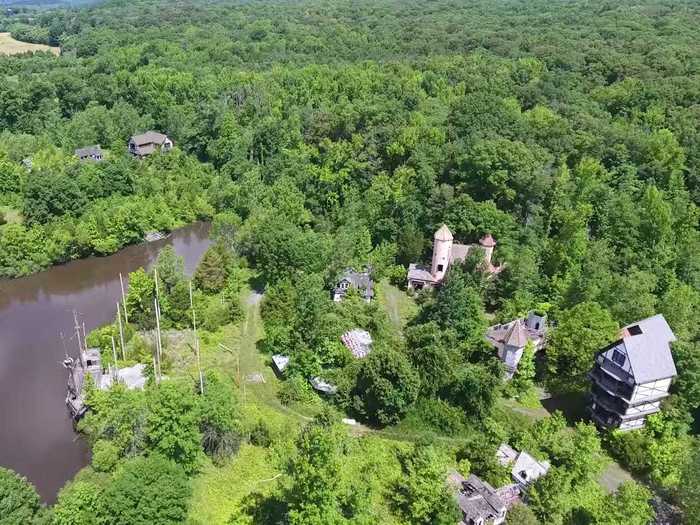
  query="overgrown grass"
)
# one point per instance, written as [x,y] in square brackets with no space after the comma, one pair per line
[399,306]
[217,491]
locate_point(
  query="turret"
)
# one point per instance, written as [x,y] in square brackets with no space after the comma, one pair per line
[536,320]
[487,243]
[442,246]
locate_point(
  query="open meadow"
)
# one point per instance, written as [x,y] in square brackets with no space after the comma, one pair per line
[10,46]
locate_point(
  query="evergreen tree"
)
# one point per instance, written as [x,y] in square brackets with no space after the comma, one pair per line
[212,271]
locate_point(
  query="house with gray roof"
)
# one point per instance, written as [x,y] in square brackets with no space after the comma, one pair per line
[352,280]
[445,253]
[90,153]
[147,143]
[632,375]
[509,339]
[479,502]
[524,469]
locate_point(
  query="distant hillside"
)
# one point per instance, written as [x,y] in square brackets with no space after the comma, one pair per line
[45,3]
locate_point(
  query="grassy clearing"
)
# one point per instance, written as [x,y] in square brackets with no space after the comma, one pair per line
[613,476]
[399,306]
[219,490]
[12,215]
[10,46]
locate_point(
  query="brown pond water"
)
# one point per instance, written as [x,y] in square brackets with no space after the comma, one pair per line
[36,434]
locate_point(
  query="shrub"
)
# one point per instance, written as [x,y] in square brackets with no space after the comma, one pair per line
[105,455]
[295,390]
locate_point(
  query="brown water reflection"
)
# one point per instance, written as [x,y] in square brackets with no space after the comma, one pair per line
[36,435]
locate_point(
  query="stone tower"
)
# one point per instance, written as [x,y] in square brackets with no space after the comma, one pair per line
[487,243]
[442,246]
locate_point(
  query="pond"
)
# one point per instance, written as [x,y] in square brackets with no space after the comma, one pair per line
[36,433]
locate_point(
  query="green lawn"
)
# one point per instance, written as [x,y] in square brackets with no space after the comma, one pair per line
[399,306]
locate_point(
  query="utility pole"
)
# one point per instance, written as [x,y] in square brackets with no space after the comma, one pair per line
[121,283]
[77,334]
[196,342]
[155,373]
[121,332]
[114,355]
[159,348]
[159,342]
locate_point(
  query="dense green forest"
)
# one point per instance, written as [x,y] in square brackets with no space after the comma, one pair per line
[320,135]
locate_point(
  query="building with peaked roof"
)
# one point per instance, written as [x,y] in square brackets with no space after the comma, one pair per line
[445,253]
[510,339]
[149,142]
[359,342]
[280,363]
[632,375]
[478,501]
[525,469]
[90,153]
[352,280]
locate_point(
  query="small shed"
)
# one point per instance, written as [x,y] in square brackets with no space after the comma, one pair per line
[358,341]
[322,386]
[280,363]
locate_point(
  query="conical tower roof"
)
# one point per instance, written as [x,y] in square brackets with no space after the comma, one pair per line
[443,234]
[516,336]
[487,241]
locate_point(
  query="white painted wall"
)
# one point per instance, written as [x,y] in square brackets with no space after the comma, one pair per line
[441,256]
[650,390]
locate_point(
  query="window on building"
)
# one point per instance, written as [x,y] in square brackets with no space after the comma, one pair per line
[635,330]
[440,267]
[618,357]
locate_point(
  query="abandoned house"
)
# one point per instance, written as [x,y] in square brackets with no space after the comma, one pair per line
[146,143]
[524,468]
[89,364]
[90,153]
[510,339]
[358,341]
[352,280]
[479,502]
[445,253]
[632,375]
